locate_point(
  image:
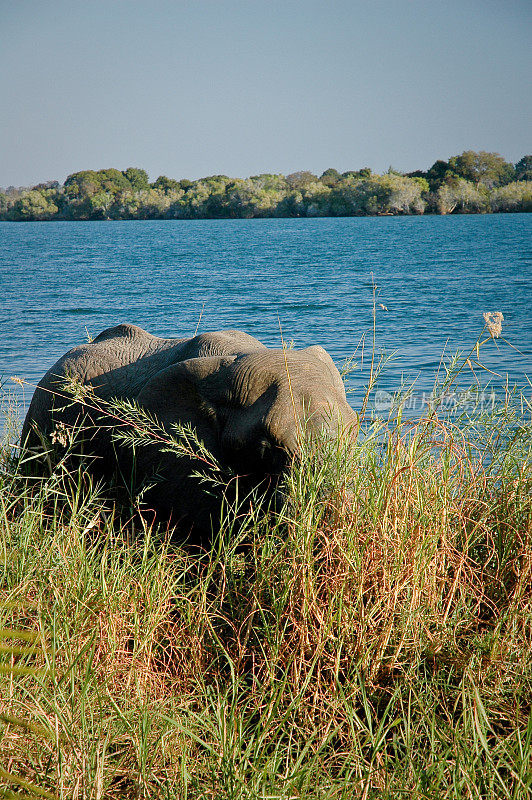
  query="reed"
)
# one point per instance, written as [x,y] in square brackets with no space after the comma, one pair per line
[372,638]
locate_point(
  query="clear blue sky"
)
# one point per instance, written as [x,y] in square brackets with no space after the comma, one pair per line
[239,87]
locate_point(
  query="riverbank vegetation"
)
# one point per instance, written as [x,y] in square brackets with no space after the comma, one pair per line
[371,639]
[471,183]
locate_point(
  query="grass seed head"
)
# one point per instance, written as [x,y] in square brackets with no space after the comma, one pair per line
[494,320]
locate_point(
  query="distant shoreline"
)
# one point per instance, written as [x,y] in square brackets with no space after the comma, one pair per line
[249,219]
[472,183]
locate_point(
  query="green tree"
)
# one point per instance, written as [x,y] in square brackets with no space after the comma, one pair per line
[488,169]
[156,204]
[316,199]
[97,206]
[240,199]
[215,203]
[47,185]
[81,184]
[291,205]
[512,197]
[269,182]
[196,199]
[137,178]
[357,174]
[330,177]
[523,169]
[4,205]
[33,205]
[298,180]
[462,197]
[440,173]
[378,194]
[112,180]
[421,181]
[166,184]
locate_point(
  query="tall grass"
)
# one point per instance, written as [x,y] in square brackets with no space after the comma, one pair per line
[372,638]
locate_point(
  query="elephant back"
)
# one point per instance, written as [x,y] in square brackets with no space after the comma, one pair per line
[119,363]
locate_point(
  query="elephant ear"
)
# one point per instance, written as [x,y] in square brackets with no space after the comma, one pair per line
[190,393]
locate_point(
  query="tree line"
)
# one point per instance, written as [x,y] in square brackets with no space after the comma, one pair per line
[470,183]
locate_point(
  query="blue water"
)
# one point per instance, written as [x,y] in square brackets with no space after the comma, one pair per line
[312,278]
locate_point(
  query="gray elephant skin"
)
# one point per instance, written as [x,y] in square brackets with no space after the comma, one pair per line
[246,402]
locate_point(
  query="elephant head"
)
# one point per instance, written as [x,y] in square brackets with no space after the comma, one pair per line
[251,409]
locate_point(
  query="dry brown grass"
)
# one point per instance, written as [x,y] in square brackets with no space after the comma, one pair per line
[371,639]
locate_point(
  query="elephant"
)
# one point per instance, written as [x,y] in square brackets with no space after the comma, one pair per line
[246,402]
